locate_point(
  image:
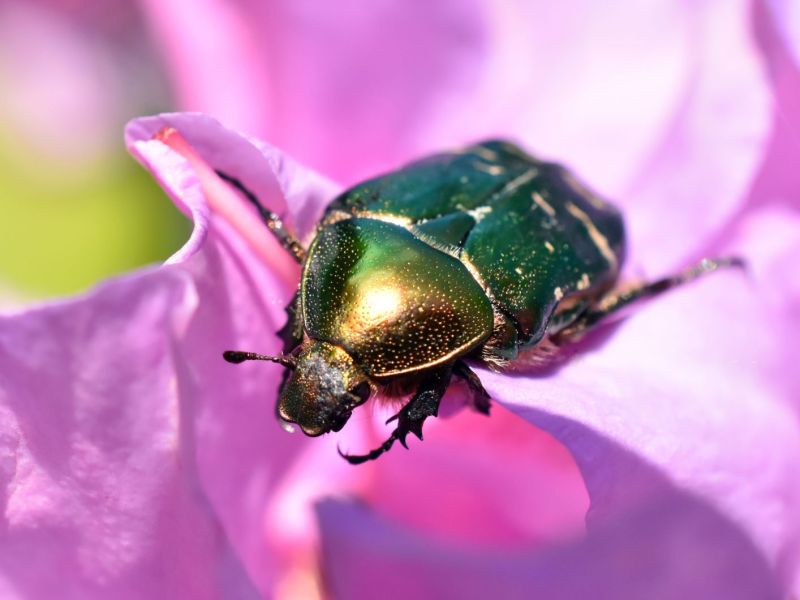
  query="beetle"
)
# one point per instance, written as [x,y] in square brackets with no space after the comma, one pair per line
[484,254]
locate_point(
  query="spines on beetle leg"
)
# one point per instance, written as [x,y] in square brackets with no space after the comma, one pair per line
[617,300]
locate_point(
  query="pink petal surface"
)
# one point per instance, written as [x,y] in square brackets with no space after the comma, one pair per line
[786,14]
[778,181]
[658,104]
[465,481]
[99,490]
[211,37]
[668,550]
[471,476]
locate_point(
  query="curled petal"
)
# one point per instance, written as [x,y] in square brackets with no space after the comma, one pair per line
[243,453]
[135,460]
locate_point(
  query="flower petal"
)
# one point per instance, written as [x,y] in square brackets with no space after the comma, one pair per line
[212,52]
[778,180]
[786,15]
[242,452]
[697,387]
[472,475]
[696,175]
[135,461]
[668,550]
[292,191]
[101,492]
[662,106]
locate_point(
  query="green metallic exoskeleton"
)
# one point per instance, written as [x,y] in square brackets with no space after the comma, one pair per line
[475,254]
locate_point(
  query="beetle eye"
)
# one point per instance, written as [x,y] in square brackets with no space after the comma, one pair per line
[362,390]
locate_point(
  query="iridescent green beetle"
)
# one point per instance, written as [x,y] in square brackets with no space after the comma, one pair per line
[476,254]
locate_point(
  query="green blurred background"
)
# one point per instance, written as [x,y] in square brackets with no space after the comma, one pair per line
[75,208]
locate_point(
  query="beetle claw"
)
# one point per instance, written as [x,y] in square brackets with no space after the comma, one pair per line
[410,419]
[354,459]
[357,459]
[415,427]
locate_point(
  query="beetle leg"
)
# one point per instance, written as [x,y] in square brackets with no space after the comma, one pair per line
[292,332]
[273,222]
[424,404]
[614,302]
[481,401]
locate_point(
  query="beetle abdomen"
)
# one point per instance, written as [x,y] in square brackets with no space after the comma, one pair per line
[391,300]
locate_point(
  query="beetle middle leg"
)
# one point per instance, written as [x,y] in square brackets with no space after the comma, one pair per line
[613,302]
[273,222]
[481,401]
[424,404]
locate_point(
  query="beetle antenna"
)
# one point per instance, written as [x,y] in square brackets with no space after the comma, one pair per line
[236,357]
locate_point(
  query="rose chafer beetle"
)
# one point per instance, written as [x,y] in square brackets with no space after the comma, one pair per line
[480,254]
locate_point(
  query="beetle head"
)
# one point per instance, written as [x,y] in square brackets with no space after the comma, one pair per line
[324,388]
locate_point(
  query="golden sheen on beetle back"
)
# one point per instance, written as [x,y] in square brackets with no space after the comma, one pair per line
[390,299]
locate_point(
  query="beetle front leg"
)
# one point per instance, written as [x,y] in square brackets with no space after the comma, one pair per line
[424,404]
[292,332]
[615,301]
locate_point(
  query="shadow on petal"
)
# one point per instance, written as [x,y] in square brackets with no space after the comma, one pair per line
[669,545]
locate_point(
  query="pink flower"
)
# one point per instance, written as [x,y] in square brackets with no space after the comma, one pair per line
[136,463]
